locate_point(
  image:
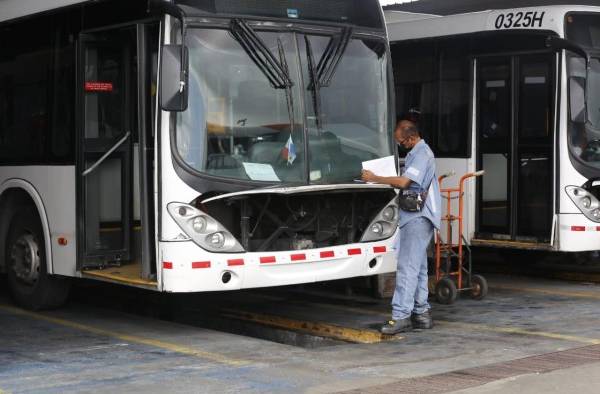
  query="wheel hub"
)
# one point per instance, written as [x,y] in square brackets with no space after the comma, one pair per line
[25,256]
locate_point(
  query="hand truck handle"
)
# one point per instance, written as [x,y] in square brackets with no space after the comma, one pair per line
[446,175]
[469,175]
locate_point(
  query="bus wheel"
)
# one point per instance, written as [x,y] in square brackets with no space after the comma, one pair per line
[30,285]
[445,291]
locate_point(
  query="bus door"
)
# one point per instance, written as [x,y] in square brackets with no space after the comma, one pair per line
[107,82]
[515,147]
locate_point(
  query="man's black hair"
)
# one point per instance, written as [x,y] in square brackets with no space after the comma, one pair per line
[410,131]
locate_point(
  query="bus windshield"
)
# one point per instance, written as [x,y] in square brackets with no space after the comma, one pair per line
[239,125]
[584,139]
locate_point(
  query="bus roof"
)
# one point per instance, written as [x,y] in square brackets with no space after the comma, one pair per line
[401,16]
[548,18]
[450,7]
[13,9]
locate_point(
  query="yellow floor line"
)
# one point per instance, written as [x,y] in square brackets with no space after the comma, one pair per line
[566,293]
[476,326]
[314,328]
[173,347]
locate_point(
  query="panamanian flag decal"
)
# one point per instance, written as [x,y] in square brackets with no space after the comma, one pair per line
[289,151]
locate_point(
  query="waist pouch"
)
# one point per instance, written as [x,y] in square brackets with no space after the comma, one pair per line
[411,201]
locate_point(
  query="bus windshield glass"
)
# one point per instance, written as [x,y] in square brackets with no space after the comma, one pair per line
[584,139]
[349,124]
[241,125]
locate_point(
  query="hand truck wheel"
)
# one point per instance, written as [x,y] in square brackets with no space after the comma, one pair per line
[479,287]
[445,291]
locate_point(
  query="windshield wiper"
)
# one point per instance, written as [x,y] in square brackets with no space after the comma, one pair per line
[331,57]
[260,54]
[288,89]
[322,74]
[315,85]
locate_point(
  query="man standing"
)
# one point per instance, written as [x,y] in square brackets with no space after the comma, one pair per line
[410,308]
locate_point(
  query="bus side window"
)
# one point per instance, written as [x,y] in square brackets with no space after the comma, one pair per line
[434,81]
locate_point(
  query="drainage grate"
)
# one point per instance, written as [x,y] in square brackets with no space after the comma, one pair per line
[472,377]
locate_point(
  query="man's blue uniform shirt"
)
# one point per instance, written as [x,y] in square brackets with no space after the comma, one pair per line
[419,167]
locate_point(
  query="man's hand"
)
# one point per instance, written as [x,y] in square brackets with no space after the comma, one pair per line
[368,176]
[398,182]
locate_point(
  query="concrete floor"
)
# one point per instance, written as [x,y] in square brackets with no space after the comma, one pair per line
[581,380]
[86,348]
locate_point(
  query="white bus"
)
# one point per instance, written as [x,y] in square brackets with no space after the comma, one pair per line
[194,145]
[512,92]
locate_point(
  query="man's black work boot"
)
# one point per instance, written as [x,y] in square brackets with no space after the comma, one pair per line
[423,320]
[395,326]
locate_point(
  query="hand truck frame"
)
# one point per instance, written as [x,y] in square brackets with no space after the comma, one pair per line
[452,274]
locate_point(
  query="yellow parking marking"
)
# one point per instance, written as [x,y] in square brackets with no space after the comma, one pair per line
[476,326]
[314,328]
[173,347]
[565,293]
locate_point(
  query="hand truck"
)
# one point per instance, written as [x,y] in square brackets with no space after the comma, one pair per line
[453,264]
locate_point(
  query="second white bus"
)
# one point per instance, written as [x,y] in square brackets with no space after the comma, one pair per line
[513,92]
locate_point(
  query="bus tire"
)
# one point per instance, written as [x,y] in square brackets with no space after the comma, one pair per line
[30,285]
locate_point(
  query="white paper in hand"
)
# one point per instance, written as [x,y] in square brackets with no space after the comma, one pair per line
[385,166]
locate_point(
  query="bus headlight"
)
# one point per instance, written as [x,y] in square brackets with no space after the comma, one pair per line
[217,240]
[587,203]
[389,213]
[203,229]
[199,224]
[383,225]
[377,228]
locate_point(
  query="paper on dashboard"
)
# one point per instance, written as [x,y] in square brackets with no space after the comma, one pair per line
[261,172]
[385,166]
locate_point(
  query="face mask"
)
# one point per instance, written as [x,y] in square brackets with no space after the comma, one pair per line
[402,151]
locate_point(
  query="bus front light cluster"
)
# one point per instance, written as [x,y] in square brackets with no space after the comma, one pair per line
[587,203]
[204,230]
[384,225]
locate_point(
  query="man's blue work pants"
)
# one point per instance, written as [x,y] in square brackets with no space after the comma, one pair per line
[411,277]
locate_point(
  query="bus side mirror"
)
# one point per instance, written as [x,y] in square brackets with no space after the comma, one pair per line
[174,68]
[577,99]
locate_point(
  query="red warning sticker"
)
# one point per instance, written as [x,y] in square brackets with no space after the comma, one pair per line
[98,87]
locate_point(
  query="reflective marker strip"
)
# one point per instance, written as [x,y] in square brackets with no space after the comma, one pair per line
[327,253]
[200,264]
[352,252]
[167,265]
[268,260]
[577,228]
[235,262]
[298,257]
[379,249]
